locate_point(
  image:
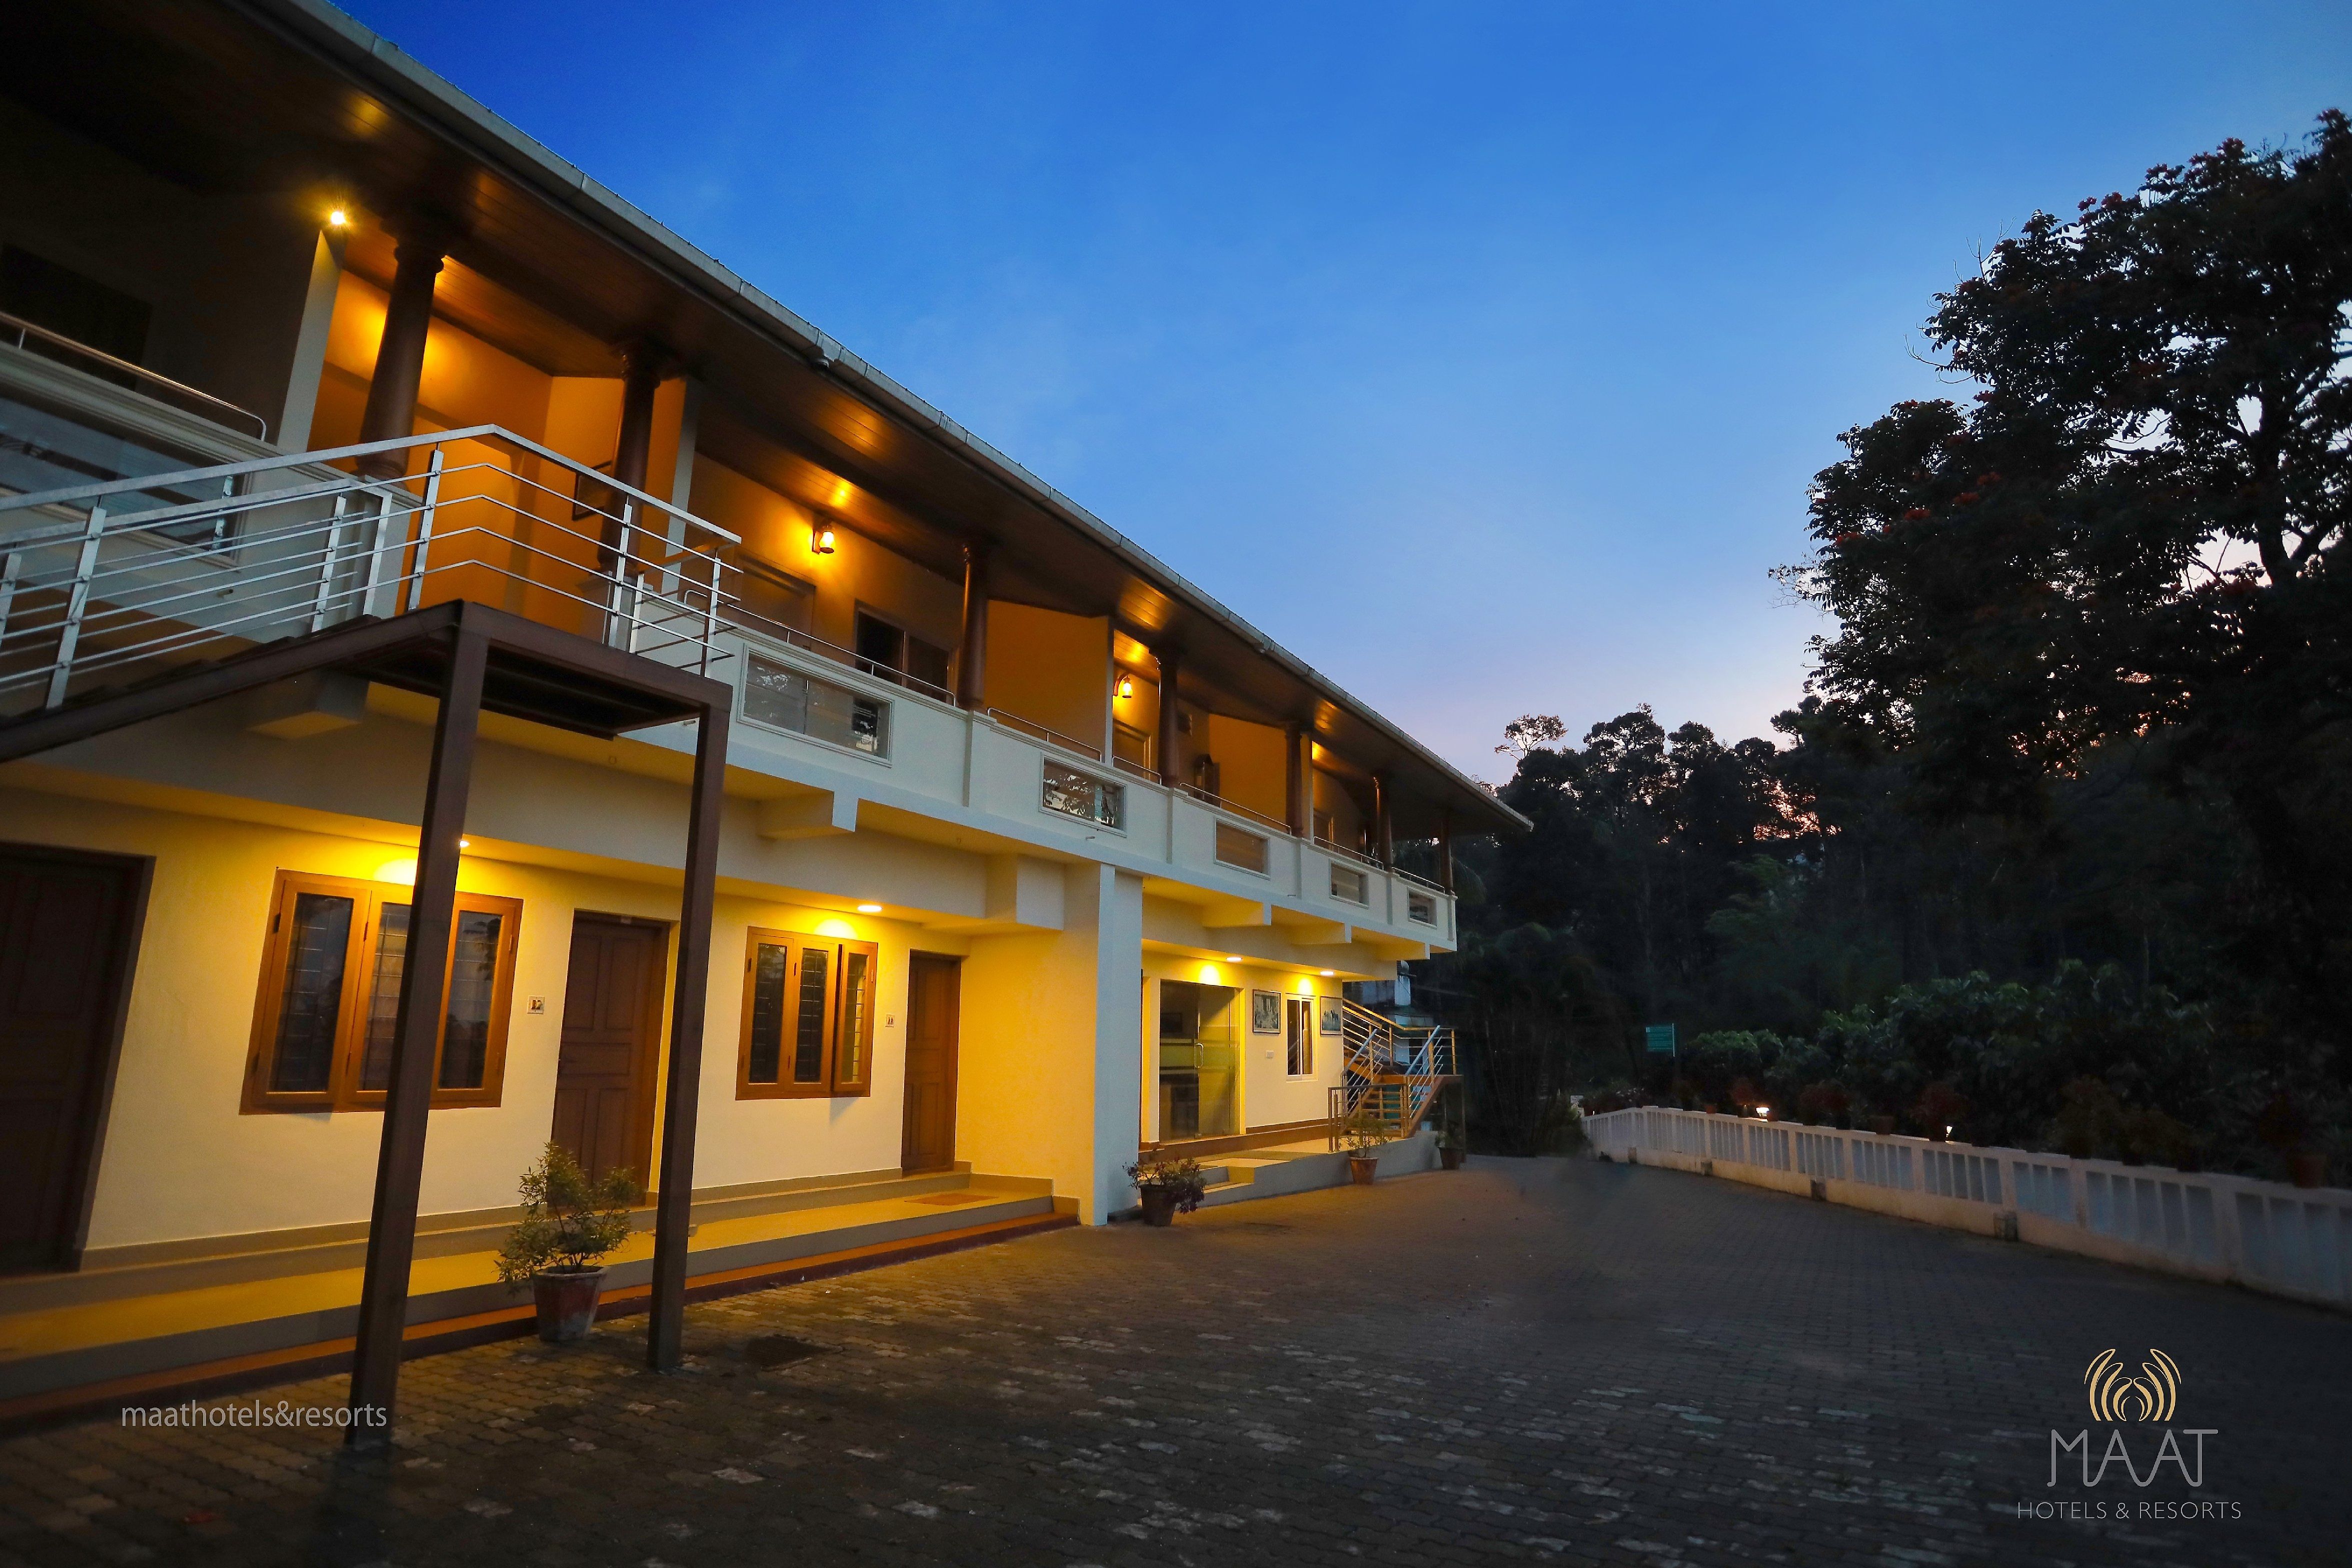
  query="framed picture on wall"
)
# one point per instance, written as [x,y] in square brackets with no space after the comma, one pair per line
[1266,1012]
[1327,1020]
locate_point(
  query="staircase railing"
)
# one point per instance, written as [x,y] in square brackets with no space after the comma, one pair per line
[1395,1072]
[291,544]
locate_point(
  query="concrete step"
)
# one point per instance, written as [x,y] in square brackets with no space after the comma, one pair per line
[88,1342]
[1303,1167]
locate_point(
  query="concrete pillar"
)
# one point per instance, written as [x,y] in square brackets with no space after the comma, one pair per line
[391,410]
[971,654]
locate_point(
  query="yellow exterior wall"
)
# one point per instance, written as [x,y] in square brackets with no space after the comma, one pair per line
[858,572]
[1051,669]
[181,1161]
[1249,763]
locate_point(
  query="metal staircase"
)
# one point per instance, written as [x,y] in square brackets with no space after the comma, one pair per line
[1392,1071]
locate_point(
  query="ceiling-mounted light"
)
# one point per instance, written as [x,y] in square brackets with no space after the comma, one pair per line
[869,909]
[1326,974]
[1126,686]
[1233,957]
[821,538]
[338,219]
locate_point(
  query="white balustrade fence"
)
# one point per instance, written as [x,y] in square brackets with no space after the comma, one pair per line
[2289,1242]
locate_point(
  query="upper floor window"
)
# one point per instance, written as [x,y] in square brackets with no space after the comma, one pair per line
[330,997]
[808,1018]
[783,698]
[884,649]
[1236,847]
[1077,794]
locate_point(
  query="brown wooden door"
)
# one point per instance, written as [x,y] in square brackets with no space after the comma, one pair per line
[68,924]
[933,985]
[612,1027]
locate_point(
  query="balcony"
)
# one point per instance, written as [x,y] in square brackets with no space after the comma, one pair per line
[94,597]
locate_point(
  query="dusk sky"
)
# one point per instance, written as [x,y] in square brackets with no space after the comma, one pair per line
[1479,354]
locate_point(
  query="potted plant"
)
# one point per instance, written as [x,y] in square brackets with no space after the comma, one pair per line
[1362,1133]
[1449,1150]
[569,1226]
[1168,1188]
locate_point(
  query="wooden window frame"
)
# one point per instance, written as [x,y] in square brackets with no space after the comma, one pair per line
[830,1083]
[343,1091]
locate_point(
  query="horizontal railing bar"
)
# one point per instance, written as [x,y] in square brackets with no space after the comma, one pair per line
[22,327]
[99,490]
[1031,728]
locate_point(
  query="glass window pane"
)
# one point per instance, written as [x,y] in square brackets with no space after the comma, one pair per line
[312,1004]
[1083,795]
[473,985]
[786,699]
[773,695]
[808,1027]
[1238,848]
[849,1058]
[384,997]
[768,973]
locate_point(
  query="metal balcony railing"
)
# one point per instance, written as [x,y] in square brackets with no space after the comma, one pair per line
[99,600]
[98,362]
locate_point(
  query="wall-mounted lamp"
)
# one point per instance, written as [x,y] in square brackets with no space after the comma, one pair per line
[869,909]
[1126,686]
[821,538]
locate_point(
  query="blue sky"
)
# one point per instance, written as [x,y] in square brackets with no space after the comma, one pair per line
[1479,353]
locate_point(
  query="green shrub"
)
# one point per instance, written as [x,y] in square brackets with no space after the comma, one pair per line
[568,1222]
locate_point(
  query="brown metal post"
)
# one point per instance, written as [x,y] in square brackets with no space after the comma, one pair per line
[1163,746]
[415,1039]
[1384,825]
[1445,851]
[1294,810]
[391,410]
[971,650]
[674,1206]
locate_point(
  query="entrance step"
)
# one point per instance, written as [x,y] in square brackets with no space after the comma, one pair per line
[47,1347]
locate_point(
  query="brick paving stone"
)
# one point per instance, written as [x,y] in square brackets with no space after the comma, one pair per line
[1522,1362]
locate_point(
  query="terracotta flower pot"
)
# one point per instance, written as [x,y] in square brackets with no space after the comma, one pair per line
[566,1299]
[2307,1168]
[1362,1168]
[1452,1158]
[1159,1205]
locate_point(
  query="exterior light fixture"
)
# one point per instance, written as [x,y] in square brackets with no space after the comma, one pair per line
[1127,685]
[1233,957]
[1763,1113]
[821,538]
[869,909]
[1326,974]
[465,843]
[338,219]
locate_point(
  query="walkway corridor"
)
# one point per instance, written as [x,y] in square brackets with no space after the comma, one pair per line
[1532,1362]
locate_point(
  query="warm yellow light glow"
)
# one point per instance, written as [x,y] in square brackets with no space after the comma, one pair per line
[1326,974]
[869,909]
[841,492]
[1211,976]
[1127,685]
[1305,986]
[821,538]
[402,871]
[836,928]
[338,218]
[1233,957]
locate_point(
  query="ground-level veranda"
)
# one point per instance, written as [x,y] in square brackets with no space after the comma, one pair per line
[1054,972]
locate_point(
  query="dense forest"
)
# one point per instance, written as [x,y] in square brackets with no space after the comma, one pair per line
[2056,848]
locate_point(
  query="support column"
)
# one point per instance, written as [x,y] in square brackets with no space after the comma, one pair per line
[682,1098]
[1163,746]
[1384,825]
[391,410]
[972,649]
[415,1036]
[641,379]
[1296,807]
[1445,851]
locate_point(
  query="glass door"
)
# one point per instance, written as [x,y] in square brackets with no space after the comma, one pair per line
[1200,1060]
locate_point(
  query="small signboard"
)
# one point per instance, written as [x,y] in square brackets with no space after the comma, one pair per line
[1661,1038]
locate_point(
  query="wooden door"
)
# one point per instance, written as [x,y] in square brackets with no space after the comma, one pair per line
[933,986]
[68,925]
[612,1028]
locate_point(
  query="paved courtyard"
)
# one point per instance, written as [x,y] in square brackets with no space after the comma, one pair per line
[1527,1361]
